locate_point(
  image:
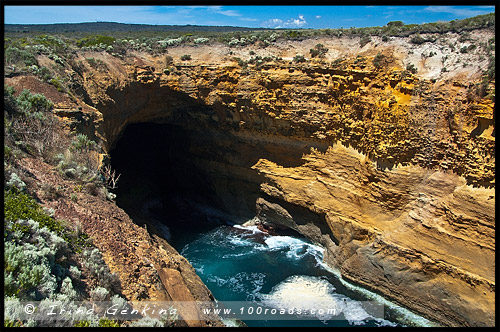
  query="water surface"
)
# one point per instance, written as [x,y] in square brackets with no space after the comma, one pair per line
[245,264]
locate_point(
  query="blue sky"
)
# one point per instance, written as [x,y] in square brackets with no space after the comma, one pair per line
[316,17]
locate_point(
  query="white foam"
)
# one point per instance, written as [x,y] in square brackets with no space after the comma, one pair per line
[230,322]
[316,297]
[405,315]
[356,315]
[239,241]
[280,242]
[253,229]
[242,282]
[304,293]
[297,248]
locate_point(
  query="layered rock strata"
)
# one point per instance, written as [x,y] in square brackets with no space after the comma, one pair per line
[403,197]
[148,267]
[393,173]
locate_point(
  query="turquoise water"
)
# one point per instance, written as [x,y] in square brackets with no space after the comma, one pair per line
[282,272]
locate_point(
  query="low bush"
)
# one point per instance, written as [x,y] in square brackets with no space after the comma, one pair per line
[319,51]
[379,60]
[19,57]
[31,125]
[95,40]
[21,206]
[411,68]
[32,103]
[94,262]
[364,40]
[299,58]
[34,260]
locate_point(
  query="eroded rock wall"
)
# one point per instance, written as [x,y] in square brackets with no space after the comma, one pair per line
[399,185]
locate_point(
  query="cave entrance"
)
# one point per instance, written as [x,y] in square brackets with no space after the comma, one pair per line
[160,183]
[192,178]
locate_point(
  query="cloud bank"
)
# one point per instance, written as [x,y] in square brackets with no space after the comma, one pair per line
[290,23]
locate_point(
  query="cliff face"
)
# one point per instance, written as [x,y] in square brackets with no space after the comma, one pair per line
[392,172]
[149,269]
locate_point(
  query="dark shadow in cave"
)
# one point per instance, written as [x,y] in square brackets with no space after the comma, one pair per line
[192,178]
[159,183]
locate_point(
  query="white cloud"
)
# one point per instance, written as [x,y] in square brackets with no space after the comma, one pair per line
[272,23]
[290,23]
[248,19]
[219,10]
[317,16]
[457,10]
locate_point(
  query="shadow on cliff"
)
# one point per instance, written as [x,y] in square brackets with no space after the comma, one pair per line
[193,179]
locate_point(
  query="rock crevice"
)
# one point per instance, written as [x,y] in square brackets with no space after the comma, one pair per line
[392,173]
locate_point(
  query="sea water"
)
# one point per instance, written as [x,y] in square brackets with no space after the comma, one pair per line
[253,268]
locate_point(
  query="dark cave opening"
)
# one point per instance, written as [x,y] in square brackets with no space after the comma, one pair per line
[159,182]
[193,178]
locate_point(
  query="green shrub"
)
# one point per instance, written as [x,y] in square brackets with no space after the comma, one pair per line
[31,260]
[82,143]
[94,262]
[467,49]
[299,58]
[186,57]
[16,182]
[168,60]
[241,63]
[95,41]
[8,155]
[411,68]
[104,322]
[417,40]
[55,82]
[319,51]
[395,24]
[32,103]
[82,323]
[464,36]
[379,60]
[52,42]
[18,206]
[16,56]
[9,91]
[12,323]
[44,73]
[364,40]
[293,34]
[257,60]
[490,72]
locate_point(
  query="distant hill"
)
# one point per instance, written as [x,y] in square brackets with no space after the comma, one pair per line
[109,27]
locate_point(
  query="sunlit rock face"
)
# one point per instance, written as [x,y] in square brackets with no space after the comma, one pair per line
[392,172]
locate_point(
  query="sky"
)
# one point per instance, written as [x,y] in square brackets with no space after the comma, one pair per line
[309,17]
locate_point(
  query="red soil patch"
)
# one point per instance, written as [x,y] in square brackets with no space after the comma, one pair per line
[33,84]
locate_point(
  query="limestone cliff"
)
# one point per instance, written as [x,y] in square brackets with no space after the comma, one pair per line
[392,171]
[149,269]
